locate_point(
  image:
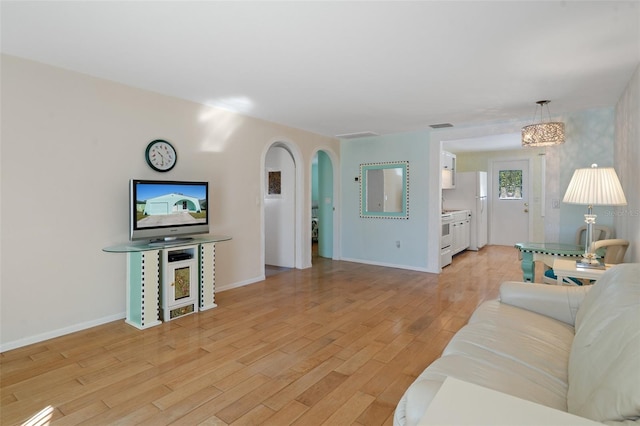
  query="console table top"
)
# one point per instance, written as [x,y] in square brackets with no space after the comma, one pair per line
[551,248]
[133,246]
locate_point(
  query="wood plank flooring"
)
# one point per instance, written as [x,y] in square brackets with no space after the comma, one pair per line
[336,344]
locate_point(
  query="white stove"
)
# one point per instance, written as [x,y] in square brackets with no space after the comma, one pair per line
[446,252]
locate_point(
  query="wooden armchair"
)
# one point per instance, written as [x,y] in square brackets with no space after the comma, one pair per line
[614,250]
[600,232]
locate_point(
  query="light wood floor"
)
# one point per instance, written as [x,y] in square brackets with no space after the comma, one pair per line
[335,344]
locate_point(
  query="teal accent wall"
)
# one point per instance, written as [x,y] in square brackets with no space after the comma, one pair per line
[314,183]
[373,240]
[325,205]
[135,296]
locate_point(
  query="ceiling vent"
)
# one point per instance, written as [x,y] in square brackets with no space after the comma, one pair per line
[356,135]
[440,126]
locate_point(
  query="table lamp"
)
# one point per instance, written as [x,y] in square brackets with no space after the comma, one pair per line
[594,186]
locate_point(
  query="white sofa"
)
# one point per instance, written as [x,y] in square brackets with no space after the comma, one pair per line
[576,349]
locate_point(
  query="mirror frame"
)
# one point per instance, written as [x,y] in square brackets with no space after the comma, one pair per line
[364,213]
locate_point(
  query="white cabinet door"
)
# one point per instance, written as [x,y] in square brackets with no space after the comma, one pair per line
[466,234]
[458,239]
[461,234]
[448,161]
[182,283]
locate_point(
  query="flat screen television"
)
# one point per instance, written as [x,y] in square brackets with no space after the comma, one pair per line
[166,211]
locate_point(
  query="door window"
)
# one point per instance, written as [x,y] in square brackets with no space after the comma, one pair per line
[510,184]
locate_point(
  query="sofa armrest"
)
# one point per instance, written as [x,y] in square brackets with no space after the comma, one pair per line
[558,302]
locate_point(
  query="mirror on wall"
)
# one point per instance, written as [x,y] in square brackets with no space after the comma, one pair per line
[384,190]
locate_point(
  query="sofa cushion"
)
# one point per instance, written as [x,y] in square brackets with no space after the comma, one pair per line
[504,348]
[560,302]
[547,355]
[604,364]
[522,342]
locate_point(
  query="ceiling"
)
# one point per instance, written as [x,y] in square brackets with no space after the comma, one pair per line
[338,67]
[494,142]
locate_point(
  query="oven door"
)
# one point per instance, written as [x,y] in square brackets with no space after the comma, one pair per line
[446,241]
[446,256]
[446,229]
[445,237]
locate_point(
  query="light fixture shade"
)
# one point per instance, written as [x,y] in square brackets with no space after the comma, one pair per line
[595,186]
[543,134]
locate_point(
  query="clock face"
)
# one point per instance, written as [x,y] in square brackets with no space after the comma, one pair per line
[161,155]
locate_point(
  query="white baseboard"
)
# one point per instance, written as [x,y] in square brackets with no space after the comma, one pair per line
[240,283]
[85,325]
[389,265]
[60,332]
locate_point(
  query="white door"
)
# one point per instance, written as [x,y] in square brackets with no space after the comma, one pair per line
[510,191]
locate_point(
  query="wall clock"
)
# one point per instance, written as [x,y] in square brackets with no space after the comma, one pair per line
[161,155]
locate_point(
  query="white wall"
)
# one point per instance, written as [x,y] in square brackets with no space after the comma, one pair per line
[70,143]
[627,163]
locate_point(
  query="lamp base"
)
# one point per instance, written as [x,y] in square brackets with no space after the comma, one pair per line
[593,265]
[590,259]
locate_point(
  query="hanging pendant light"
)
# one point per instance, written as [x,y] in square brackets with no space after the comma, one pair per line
[543,134]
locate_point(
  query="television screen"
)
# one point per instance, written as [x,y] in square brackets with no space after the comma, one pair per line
[166,210]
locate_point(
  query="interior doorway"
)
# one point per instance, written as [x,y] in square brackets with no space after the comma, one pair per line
[322,206]
[510,189]
[279,208]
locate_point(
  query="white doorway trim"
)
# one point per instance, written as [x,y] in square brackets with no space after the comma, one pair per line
[491,193]
[293,149]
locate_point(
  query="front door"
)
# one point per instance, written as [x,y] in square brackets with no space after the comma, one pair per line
[510,195]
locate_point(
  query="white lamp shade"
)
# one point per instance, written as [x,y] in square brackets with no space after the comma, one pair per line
[595,186]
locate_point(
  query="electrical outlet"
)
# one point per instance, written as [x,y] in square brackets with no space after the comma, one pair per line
[555,203]
[398,244]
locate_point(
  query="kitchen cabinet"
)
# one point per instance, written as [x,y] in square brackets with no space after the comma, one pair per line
[448,161]
[461,231]
[466,234]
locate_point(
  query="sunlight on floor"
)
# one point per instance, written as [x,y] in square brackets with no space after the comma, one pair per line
[40,419]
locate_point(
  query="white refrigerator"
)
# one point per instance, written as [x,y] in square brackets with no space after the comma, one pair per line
[470,193]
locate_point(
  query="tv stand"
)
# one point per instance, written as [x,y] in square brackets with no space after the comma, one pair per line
[169,241]
[153,268]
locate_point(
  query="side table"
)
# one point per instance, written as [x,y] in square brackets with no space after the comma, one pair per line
[564,268]
[545,252]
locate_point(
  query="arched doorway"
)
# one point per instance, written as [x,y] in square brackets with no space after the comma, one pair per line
[282,206]
[322,205]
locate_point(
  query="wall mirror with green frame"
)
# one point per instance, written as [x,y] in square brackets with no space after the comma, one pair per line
[384,190]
